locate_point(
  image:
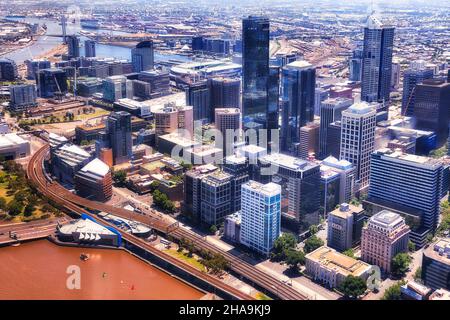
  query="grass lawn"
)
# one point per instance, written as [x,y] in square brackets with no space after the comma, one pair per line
[97,113]
[182,256]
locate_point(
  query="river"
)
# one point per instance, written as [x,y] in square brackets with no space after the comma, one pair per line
[37,270]
[45,43]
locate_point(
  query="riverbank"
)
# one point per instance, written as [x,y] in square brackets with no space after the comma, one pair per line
[38,270]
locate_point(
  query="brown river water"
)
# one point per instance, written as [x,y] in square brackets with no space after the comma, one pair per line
[38,270]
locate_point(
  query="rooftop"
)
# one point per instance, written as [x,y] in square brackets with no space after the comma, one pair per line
[268,189]
[398,154]
[299,64]
[288,162]
[97,167]
[331,259]
[10,139]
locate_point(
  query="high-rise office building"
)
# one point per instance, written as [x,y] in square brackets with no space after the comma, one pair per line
[416,73]
[355,65]
[89,48]
[51,82]
[274,101]
[22,96]
[260,215]
[330,111]
[216,197]
[225,93]
[33,66]
[73,45]
[255,71]
[117,87]
[8,70]
[300,181]
[334,139]
[395,75]
[377,62]
[358,139]
[198,95]
[346,173]
[344,226]
[431,107]
[408,184]
[385,235]
[308,146]
[159,82]
[142,56]
[172,117]
[298,90]
[118,127]
[228,122]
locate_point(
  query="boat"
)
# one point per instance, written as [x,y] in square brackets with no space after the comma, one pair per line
[84,256]
[15,244]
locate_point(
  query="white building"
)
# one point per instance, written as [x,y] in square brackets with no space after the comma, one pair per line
[260,215]
[13,146]
[358,139]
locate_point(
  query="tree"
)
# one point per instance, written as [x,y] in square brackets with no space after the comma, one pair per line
[411,246]
[213,229]
[3,203]
[294,258]
[120,178]
[312,243]
[393,292]
[350,253]
[215,262]
[283,243]
[29,210]
[313,229]
[399,264]
[352,287]
[14,208]
[418,274]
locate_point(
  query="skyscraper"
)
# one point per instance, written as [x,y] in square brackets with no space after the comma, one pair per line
[198,95]
[118,126]
[330,111]
[358,139]
[298,91]
[225,93]
[89,48]
[261,215]
[142,56]
[227,119]
[355,65]
[255,71]
[73,45]
[409,184]
[415,74]
[377,62]
[431,107]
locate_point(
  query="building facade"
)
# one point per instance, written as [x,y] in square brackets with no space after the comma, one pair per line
[385,235]
[260,215]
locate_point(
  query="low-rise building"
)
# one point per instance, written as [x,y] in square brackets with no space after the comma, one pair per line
[12,147]
[331,268]
[344,226]
[232,227]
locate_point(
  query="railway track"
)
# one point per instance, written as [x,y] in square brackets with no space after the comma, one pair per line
[73,202]
[35,174]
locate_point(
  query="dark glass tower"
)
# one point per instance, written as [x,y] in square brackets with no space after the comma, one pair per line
[255,69]
[118,126]
[377,62]
[298,90]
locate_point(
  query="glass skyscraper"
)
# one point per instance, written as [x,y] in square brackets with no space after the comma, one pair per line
[298,90]
[377,62]
[118,126]
[255,70]
[142,57]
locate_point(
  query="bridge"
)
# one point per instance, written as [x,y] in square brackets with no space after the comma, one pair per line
[78,205]
[18,232]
